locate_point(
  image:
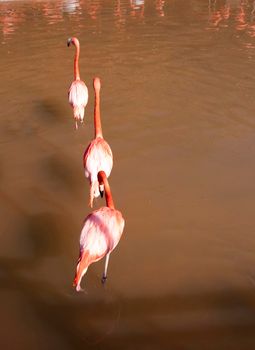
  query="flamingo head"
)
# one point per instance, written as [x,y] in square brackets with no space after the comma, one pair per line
[74,41]
[69,41]
[97,84]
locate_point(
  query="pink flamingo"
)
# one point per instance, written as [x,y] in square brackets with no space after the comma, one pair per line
[100,234]
[98,155]
[78,91]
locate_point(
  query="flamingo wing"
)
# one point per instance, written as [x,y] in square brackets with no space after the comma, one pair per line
[98,156]
[101,232]
[78,94]
[78,98]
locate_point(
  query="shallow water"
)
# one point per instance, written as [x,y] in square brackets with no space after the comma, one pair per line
[177,108]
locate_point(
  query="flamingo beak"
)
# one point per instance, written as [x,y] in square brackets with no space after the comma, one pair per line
[69,41]
[101,190]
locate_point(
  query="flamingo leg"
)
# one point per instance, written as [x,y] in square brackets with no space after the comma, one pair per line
[104,278]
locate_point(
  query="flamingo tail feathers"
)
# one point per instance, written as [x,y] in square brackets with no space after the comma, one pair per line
[78,113]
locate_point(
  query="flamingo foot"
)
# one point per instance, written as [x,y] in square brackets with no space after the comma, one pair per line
[78,288]
[103,279]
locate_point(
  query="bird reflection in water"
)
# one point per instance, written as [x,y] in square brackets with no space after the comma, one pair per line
[241,18]
[160,7]
[10,19]
[137,8]
[251,29]
[53,12]
[70,6]
[93,8]
[119,14]
[219,16]
[11,16]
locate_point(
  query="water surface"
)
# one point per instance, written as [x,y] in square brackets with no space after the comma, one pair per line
[178,111]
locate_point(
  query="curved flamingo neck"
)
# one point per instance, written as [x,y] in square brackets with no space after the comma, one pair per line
[97,117]
[76,43]
[108,195]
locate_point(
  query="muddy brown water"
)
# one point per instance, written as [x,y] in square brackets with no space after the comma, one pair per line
[178,109]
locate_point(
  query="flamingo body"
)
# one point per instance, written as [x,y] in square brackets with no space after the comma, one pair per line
[78,99]
[98,156]
[100,234]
